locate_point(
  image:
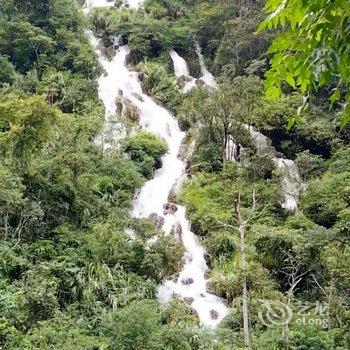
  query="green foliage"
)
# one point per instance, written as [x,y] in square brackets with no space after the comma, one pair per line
[309,165]
[25,125]
[146,150]
[160,84]
[312,49]
[7,71]
[327,196]
[316,132]
[146,36]
[240,44]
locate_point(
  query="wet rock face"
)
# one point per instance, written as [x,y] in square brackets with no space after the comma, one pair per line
[176,231]
[188,300]
[169,208]
[175,278]
[184,124]
[194,312]
[172,195]
[131,111]
[119,105]
[207,260]
[187,281]
[214,314]
[158,220]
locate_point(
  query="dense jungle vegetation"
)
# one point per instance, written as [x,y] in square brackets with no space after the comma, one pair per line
[70,275]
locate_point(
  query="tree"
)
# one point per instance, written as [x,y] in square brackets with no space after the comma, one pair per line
[222,114]
[25,125]
[312,51]
[243,220]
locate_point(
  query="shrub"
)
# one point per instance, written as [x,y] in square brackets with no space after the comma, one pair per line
[145,150]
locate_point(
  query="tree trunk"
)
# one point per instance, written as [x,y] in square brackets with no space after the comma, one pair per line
[243,265]
[245,310]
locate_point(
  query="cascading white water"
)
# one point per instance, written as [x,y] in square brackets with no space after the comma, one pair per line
[206,77]
[180,65]
[291,181]
[191,285]
[181,70]
[133,4]
[233,150]
[108,93]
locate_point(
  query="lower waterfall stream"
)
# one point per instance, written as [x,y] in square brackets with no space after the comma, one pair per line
[153,198]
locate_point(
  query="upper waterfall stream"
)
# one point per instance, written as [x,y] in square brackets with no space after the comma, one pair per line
[153,198]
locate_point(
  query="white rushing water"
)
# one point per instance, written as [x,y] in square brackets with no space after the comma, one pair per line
[181,70]
[291,182]
[206,77]
[191,284]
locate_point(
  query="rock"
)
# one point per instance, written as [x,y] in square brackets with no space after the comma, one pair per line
[119,105]
[214,314]
[184,125]
[141,76]
[181,157]
[131,111]
[207,260]
[172,194]
[110,51]
[157,219]
[176,231]
[200,82]
[169,208]
[188,300]
[207,274]
[129,59]
[210,288]
[175,278]
[187,281]
[138,96]
[194,312]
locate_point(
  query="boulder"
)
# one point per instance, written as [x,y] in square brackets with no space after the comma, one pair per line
[175,278]
[139,97]
[157,219]
[172,194]
[207,260]
[169,208]
[187,281]
[214,314]
[119,105]
[188,300]
[176,231]
[131,111]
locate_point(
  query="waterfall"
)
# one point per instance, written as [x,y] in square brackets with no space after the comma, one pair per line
[181,70]
[153,198]
[291,182]
[206,77]
[180,65]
